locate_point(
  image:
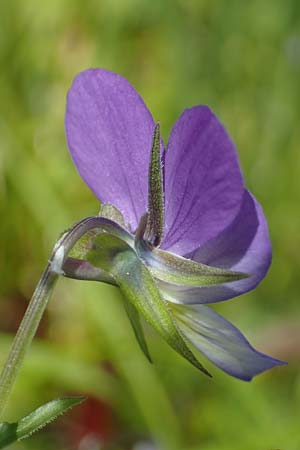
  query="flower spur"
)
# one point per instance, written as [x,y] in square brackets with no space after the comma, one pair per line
[187,235]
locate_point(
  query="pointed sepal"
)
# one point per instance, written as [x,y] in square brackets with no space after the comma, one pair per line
[103,225]
[155,224]
[171,268]
[138,287]
[135,321]
[109,211]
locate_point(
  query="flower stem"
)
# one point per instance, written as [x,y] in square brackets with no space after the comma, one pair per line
[39,301]
[25,334]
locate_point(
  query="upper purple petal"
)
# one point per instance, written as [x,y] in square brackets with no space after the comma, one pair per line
[109,133]
[203,182]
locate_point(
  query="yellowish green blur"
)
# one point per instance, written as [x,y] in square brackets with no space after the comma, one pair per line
[243,60]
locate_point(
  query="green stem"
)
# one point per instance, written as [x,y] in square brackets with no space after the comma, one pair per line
[25,334]
[39,301]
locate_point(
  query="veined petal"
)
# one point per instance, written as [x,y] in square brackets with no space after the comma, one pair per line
[109,133]
[203,182]
[221,342]
[243,247]
[195,295]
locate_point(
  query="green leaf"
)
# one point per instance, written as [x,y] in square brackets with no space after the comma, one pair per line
[135,320]
[155,225]
[138,287]
[8,433]
[39,418]
[172,268]
[45,414]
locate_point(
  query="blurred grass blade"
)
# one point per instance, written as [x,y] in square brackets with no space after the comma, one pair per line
[141,380]
[36,420]
[115,256]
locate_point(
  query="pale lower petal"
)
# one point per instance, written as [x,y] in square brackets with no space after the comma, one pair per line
[221,342]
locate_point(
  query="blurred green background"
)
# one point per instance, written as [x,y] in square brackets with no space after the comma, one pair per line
[242,59]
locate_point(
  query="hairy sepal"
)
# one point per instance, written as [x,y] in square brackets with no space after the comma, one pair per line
[155,222]
[171,268]
[106,225]
[138,287]
[135,321]
[110,212]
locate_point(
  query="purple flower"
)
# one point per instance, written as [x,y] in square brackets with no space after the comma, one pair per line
[204,231]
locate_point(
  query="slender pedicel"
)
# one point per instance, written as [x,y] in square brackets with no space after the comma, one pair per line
[41,295]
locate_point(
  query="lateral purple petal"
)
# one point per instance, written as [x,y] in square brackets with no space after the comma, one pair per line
[203,182]
[109,133]
[221,342]
[244,246]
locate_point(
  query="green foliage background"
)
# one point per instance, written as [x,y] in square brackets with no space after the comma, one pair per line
[243,60]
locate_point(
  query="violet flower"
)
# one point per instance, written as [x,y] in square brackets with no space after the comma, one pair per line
[190,234]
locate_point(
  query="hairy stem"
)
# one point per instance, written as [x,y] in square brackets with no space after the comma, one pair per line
[39,301]
[25,334]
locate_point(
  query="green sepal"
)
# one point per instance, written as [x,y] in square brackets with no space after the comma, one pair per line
[155,225]
[138,287]
[83,245]
[135,321]
[37,419]
[105,225]
[172,268]
[109,211]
